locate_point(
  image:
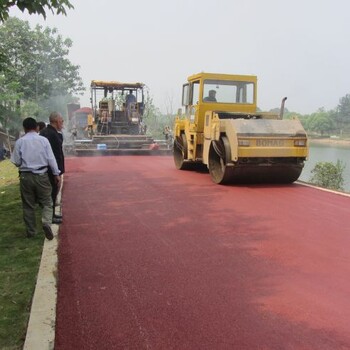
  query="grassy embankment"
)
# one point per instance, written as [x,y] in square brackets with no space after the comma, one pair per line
[19,262]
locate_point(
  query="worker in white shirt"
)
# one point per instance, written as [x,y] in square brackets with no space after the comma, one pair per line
[33,156]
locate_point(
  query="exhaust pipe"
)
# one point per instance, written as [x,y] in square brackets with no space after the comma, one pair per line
[282,107]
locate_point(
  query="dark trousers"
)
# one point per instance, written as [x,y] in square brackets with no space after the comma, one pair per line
[35,189]
[54,192]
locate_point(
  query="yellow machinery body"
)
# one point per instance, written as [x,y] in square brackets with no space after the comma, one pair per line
[222,128]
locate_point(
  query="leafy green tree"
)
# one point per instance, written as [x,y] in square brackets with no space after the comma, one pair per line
[9,110]
[328,175]
[35,67]
[319,122]
[155,120]
[37,60]
[151,115]
[342,116]
[34,7]
[30,109]
[304,120]
[290,115]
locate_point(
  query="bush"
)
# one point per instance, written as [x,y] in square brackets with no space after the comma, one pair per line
[328,175]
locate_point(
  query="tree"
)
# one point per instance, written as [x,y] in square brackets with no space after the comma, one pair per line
[37,60]
[342,117]
[328,175]
[319,122]
[34,7]
[151,115]
[35,63]
[8,104]
[154,119]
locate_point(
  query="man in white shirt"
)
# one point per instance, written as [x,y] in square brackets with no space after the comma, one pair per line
[33,156]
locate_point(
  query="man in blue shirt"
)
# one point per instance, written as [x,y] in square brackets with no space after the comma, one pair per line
[130,98]
[33,156]
[130,102]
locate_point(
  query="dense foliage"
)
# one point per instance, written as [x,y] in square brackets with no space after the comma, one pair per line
[326,123]
[328,175]
[34,7]
[36,75]
[156,121]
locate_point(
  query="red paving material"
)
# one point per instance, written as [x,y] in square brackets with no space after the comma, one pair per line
[151,257]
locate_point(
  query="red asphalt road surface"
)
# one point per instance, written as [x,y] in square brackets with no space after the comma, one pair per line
[151,257]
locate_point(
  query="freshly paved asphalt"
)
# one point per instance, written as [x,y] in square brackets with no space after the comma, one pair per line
[155,258]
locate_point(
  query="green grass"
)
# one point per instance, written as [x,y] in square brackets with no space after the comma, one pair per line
[19,262]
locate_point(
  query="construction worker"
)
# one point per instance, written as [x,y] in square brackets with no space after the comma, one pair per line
[53,132]
[211,97]
[90,122]
[130,102]
[33,156]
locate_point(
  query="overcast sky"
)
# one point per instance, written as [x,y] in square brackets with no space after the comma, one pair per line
[299,49]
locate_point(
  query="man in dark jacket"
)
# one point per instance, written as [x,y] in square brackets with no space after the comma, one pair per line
[53,133]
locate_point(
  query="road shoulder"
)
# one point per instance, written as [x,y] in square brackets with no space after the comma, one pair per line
[42,320]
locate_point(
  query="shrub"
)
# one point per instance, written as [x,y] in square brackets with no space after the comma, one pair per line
[328,175]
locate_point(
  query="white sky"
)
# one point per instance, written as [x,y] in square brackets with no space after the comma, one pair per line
[299,49]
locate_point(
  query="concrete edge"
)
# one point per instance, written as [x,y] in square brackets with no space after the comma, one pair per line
[345,194]
[42,319]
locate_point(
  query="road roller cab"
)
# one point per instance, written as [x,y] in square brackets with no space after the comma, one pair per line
[222,129]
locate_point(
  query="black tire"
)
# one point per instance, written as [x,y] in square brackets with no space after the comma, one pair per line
[219,154]
[180,153]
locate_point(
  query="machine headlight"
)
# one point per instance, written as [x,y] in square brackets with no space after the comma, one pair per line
[243,143]
[300,143]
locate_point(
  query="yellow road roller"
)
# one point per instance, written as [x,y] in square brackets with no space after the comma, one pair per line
[220,127]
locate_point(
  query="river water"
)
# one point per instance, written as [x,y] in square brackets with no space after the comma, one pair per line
[327,153]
